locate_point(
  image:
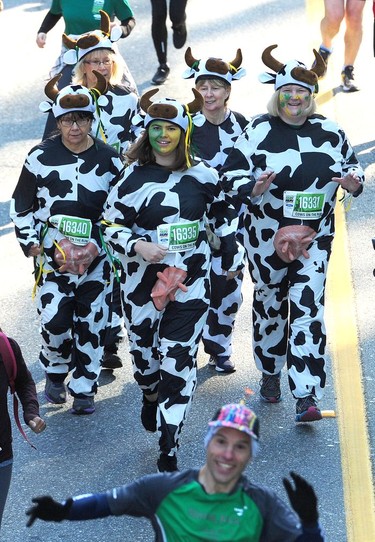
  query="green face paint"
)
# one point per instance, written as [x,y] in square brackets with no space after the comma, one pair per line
[164,137]
[300,99]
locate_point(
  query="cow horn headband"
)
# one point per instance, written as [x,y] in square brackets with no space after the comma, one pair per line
[214,67]
[91,41]
[293,72]
[73,97]
[170,110]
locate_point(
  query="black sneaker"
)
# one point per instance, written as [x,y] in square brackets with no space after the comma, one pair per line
[179,35]
[270,390]
[167,463]
[83,405]
[306,410]
[55,392]
[161,75]
[111,360]
[148,414]
[222,364]
[325,54]
[347,76]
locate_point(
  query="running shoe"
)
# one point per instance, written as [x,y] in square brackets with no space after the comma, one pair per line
[83,405]
[161,75]
[222,364]
[111,360]
[270,390]
[55,392]
[167,463]
[347,76]
[179,35]
[307,410]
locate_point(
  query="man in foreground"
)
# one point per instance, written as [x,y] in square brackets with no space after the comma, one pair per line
[216,502]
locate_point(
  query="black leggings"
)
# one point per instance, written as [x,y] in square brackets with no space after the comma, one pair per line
[5,477]
[158,25]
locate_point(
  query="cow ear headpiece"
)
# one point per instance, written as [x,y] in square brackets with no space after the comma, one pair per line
[97,39]
[214,67]
[74,97]
[293,72]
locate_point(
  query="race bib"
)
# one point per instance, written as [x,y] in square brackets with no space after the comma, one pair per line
[178,237]
[77,230]
[304,205]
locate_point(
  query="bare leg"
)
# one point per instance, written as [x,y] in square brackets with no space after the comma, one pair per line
[334,11]
[353,33]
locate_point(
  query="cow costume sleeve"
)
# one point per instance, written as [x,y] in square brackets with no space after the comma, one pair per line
[268,144]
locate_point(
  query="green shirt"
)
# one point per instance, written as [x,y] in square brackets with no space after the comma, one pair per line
[82,16]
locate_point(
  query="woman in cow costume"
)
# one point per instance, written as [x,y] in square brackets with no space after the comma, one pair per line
[287,167]
[56,208]
[155,220]
[112,123]
[214,134]
[81,17]
[95,51]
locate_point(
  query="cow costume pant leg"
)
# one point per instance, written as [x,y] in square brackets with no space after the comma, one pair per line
[294,294]
[164,346]
[218,329]
[73,306]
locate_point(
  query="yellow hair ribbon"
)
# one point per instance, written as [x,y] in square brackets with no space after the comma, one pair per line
[188,136]
[233,68]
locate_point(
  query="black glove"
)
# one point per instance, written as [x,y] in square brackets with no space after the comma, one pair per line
[302,498]
[47,509]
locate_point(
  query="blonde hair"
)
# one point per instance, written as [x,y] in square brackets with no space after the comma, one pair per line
[79,76]
[273,106]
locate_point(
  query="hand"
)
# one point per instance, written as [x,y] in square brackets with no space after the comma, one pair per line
[41,39]
[37,424]
[263,183]
[169,281]
[151,252]
[75,259]
[351,182]
[35,250]
[302,498]
[231,274]
[47,509]
[291,242]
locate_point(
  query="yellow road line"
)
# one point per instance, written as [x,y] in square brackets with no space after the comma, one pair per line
[351,408]
[356,465]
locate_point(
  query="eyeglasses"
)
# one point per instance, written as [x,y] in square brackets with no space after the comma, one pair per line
[79,122]
[97,63]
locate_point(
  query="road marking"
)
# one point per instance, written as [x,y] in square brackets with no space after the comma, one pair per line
[347,369]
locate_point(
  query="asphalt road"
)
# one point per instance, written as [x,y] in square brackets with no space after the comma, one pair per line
[80,454]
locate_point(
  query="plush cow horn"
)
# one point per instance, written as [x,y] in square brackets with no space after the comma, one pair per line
[319,66]
[197,104]
[51,90]
[101,82]
[269,61]
[238,60]
[68,42]
[104,22]
[145,100]
[304,75]
[189,59]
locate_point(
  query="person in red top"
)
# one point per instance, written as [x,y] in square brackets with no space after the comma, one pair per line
[26,391]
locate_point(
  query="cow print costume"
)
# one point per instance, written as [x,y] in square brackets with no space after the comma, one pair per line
[73,308]
[213,143]
[114,122]
[288,299]
[164,344]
